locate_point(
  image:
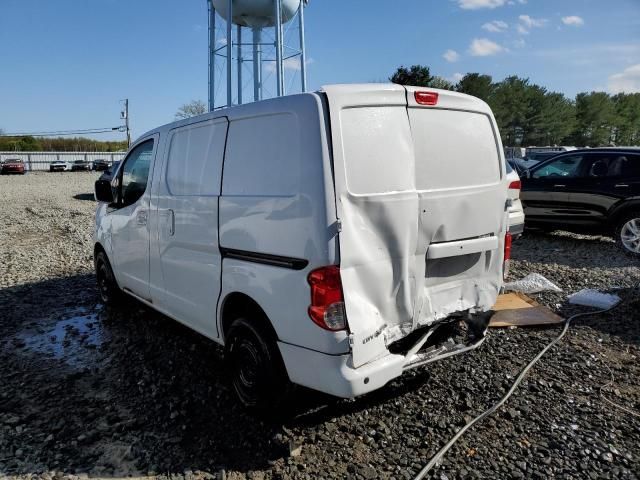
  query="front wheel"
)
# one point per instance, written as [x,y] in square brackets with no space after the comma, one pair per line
[107,285]
[255,367]
[627,234]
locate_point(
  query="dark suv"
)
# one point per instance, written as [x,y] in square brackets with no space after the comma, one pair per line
[593,190]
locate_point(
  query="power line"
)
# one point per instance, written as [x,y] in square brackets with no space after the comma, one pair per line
[88,131]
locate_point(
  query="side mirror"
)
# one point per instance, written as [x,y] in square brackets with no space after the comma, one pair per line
[526,173]
[103,191]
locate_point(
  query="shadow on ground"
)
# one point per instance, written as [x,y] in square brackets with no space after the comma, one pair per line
[85,196]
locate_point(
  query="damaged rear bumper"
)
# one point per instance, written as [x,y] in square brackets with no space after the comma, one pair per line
[335,374]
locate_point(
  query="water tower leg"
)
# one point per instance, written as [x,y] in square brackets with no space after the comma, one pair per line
[229,53]
[239,67]
[303,53]
[257,64]
[279,69]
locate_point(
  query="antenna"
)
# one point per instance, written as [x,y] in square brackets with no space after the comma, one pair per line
[268,54]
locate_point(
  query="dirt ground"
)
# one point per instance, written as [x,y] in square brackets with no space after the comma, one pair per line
[89,391]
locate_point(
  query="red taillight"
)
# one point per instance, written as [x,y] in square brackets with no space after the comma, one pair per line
[507,255]
[327,302]
[508,239]
[426,98]
[515,185]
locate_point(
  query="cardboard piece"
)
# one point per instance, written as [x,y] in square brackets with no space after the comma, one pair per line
[517,310]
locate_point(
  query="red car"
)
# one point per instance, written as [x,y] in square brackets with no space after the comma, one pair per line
[14,165]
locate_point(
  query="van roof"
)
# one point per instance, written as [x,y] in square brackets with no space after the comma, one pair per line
[354,94]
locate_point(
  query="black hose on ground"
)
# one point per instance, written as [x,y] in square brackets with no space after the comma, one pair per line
[438,456]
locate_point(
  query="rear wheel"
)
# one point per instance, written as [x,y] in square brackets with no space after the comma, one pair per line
[107,285]
[255,367]
[627,234]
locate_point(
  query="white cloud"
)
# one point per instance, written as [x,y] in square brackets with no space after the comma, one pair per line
[527,23]
[496,26]
[478,4]
[573,20]
[451,56]
[483,47]
[628,81]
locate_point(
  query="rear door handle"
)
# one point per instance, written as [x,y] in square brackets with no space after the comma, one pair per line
[560,186]
[172,222]
[622,185]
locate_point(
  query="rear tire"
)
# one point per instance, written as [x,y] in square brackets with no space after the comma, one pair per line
[627,234]
[255,368]
[108,288]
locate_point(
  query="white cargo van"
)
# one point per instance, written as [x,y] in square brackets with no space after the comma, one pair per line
[331,239]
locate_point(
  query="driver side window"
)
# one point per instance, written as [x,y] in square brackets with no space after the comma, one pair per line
[565,167]
[134,174]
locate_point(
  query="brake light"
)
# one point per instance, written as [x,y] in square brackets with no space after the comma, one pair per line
[515,185]
[426,98]
[327,301]
[508,239]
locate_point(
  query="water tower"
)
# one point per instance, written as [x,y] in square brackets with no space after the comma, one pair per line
[258,44]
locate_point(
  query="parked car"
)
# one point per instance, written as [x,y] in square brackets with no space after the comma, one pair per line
[594,190]
[349,225]
[78,165]
[57,166]
[101,164]
[107,175]
[13,165]
[516,213]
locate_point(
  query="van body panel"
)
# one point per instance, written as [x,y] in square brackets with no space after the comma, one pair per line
[187,196]
[129,235]
[274,202]
[393,203]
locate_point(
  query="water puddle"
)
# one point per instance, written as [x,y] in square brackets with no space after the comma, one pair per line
[74,339]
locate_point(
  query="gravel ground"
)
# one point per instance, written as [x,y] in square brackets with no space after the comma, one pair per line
[88,391]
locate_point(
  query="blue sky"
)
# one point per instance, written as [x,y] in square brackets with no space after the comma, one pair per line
[65,64]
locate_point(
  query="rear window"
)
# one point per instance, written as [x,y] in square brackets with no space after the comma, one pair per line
[387,150]
[453,149]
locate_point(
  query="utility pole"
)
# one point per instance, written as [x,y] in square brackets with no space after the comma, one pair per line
[125,116]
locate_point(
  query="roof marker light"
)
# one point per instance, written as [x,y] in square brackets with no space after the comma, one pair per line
[426,98]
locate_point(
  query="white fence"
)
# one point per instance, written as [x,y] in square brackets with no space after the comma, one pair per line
[41,160]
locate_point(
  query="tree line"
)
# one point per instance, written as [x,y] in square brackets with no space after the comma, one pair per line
[529,114]
[59,144]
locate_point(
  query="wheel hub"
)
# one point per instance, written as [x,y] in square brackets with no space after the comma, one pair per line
[630,235]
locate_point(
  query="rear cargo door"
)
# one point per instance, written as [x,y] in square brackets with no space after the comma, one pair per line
[421,195]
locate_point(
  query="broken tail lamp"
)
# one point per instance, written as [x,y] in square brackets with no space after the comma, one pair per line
[327,301]
[426,98]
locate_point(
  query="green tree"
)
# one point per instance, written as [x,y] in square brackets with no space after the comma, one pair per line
[627,118]
[478,85]
[441,83]
[191,109]
[595,116]
[559,119]
[417,75]
[509,103]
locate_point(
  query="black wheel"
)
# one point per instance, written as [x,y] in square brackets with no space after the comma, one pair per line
[107,285]
[627,234]
[255,367]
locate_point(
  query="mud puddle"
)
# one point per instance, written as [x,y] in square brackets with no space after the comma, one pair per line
[74,339]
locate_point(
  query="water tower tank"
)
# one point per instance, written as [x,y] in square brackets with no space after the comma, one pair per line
[256,13]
